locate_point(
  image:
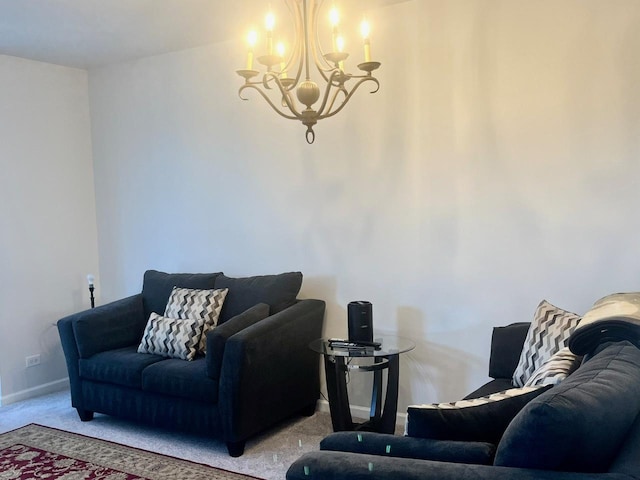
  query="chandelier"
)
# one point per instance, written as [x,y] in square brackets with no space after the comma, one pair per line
[287,73]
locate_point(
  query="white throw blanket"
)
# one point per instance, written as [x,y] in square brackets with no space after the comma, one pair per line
[613,318]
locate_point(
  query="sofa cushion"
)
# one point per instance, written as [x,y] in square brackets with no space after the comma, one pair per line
[580,424]
[181,379]
[475,420]
[204,305]
[478,453]
[548,333]
[627,461]
[277,291]
[157,287]
[556,369]
[171,337]
[122,366]
[506,347]
[217,339]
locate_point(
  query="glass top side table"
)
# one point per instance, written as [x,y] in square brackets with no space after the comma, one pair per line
[336,362]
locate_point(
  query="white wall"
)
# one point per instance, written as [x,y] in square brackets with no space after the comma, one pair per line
[48,235]
[496,166]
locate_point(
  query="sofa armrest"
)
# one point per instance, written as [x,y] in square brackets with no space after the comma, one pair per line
[268,370]
[217,338]
[85,333]
[408,447]
[116,324]
[506,347]
[327,465]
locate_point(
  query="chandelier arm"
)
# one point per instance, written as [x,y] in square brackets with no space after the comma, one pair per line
[286,96]
[323,71]
[349,95]
[364,78]
[252,83]
[327,91]
[293,14]
[244,87]
[268,100]
[335,96]
[265,82]
[299,72]
[305,21]
[338,81]
[321,63]
[297,51]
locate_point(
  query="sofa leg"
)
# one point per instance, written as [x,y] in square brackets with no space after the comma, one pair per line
[235,449]
[85,415]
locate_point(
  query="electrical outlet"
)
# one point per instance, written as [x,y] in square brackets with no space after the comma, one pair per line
[32,360]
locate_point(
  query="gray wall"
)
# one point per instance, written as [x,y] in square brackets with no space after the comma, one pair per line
[48,235]
[497,166]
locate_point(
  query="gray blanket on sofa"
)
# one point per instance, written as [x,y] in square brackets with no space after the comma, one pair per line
[613,318]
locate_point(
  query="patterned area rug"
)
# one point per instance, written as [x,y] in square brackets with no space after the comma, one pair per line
[35,451]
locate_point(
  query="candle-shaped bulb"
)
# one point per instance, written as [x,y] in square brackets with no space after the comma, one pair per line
[340,48]
[334,17]
[365,30]
[270,23]
[252,38]
[281,51]
[90,280]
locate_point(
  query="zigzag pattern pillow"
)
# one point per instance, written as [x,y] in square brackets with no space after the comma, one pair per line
[203,305]
[548,333]
[171,337]
[556,369]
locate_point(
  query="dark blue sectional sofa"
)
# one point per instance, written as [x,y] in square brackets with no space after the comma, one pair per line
[258,369]
[585,428]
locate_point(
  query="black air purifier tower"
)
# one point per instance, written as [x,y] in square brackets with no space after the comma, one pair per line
[360,316]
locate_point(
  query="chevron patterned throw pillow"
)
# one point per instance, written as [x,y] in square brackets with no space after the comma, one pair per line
[202,305]
[547,335]
[556,369]
[171,337]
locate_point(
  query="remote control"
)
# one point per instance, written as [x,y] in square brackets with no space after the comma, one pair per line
[341,343]
[369,344]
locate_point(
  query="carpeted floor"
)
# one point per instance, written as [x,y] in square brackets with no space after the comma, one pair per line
[267,456]
[35,451]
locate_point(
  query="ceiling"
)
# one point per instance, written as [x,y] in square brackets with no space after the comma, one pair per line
[90,33]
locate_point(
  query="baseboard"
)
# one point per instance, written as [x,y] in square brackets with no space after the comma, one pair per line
[35,391]
[361,412]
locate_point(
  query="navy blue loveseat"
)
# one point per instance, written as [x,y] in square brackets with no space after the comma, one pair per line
[258,369]
[585,428]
